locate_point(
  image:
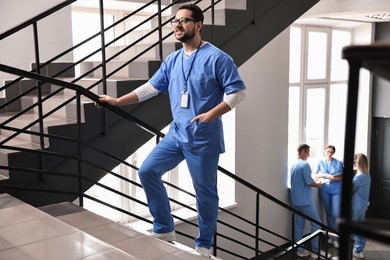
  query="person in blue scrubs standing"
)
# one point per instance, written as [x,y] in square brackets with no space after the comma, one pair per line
[329,171]
[360,199]
[203,84]
[301,199]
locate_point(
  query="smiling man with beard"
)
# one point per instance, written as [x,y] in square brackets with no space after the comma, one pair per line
[203,84]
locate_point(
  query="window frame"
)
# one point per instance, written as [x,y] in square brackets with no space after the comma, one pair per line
[304,84]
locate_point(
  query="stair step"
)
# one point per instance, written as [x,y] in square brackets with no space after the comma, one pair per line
[65,67]
[136,243]
[53,102]
[23,120]
[14,142]
[153,53]
[137,69]
[29,233]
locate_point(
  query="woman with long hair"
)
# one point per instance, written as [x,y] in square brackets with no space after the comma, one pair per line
[360,199]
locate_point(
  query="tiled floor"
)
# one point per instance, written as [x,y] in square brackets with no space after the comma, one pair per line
[375,250]
[27,233]
[67,232]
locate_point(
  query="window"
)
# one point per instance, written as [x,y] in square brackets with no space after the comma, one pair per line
[318,89]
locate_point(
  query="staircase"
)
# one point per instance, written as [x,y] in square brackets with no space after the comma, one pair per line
[66,231]
[54,153]
[237,34]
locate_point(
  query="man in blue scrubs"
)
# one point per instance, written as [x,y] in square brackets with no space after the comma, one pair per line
[203,84]
[301,199]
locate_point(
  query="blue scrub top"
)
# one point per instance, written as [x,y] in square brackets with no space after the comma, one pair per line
[361,193]
[301,192]
[212,75]
[333,167]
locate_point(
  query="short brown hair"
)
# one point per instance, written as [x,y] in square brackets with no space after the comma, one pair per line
[197,13]
[303,147]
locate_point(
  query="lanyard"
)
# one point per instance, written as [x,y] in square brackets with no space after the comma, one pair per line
[189,71]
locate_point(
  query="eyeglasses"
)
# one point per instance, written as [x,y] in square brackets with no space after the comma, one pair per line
[329,151]
[182,21]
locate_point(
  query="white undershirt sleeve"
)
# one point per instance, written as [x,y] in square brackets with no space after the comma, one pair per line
[145,91]
[235,98]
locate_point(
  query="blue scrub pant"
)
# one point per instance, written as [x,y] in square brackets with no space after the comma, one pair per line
[312,212]
[331,202]
[360,242]
[203,169]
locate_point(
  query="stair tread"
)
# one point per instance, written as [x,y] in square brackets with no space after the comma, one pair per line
[30,117]
[45,233]
[127,239]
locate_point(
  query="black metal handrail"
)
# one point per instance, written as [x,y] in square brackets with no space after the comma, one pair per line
[82,91]
[34,74]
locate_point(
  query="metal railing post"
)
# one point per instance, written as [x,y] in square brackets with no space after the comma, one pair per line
[79,151]
[254,12]
[212,19]
[257,232]
[39,89]
[104,69]
[160,45]
[293,235]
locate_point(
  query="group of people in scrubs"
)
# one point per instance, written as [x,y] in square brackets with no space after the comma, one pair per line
[327,176]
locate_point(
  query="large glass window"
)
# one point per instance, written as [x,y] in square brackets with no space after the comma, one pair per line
[315,120]
[316,55]
[318,94]
[337,113]
[339,67]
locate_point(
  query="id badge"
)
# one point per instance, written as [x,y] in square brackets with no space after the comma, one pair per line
[184,100]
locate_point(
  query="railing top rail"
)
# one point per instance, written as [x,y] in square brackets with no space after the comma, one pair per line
[141,124]
[36,18]
[82,91]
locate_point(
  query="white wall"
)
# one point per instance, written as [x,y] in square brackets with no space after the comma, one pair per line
[261,142]
[18,50]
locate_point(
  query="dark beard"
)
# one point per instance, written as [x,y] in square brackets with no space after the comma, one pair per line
[187,36]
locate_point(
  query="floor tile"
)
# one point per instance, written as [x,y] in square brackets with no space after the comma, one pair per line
[34,230]
[182,256]
[146,248]
[112,233]
[76,245]
[14,254]
[4,244]
[7,200]
[110,255]
[84,220]
[18,214]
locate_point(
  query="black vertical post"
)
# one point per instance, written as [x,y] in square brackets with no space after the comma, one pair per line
[212,19]
[39,90]
[103,52]
[79,150]
[293,216]
[160,44]
[257,223]
[349,150]
[254,12]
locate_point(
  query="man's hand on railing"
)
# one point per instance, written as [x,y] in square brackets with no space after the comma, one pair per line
[106,99]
